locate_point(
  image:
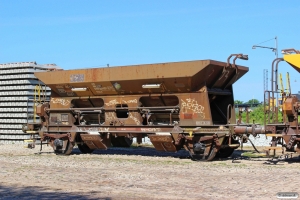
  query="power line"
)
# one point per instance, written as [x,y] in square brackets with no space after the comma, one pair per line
[267,40]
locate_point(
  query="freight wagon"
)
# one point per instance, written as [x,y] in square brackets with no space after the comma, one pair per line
[176,105]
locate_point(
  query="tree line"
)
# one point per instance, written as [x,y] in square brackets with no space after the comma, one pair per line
[257,114]
[251,101]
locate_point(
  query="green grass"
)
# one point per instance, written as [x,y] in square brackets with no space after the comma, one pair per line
[136,145]
[252,154]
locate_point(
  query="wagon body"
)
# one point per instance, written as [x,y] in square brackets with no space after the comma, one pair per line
[177,105]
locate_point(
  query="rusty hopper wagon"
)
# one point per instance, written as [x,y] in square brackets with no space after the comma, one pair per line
[177,105]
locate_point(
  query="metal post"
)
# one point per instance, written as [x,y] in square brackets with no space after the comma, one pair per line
[274,73]
[276,45]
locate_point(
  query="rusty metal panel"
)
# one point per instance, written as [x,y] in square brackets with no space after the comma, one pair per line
[195,109]
[270,129]
[163,143]
[206,138]
[289,106]
[40,109]
[59,102]
[93,141]
[171,77]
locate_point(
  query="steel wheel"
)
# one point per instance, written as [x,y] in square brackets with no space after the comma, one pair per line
[115,142]
[211,155]
[62,146]
[83,148]
[121,141]
[125,141]
[227,151]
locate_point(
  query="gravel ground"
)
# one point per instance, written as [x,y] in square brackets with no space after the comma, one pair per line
[140,173]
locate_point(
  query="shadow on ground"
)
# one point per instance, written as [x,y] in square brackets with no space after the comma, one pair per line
[7,193]
[238,155]
[142,151]
[183,154]
[137,151]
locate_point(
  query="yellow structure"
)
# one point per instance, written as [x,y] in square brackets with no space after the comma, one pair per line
[293,60]
[39,96]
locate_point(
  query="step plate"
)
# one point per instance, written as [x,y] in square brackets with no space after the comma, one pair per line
[93,141]
[163,143]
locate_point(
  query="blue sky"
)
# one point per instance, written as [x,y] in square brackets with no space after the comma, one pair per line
[82,34]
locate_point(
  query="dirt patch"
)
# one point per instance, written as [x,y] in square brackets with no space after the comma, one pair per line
[140,173]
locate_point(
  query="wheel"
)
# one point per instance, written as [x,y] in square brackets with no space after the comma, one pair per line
[115,142]
[125,141]
[121,141]
[211,155]
[227,151]
[59,144]
[83,148]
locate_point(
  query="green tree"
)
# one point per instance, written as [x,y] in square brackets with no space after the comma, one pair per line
[257,114]
[238,102]
[252,101]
